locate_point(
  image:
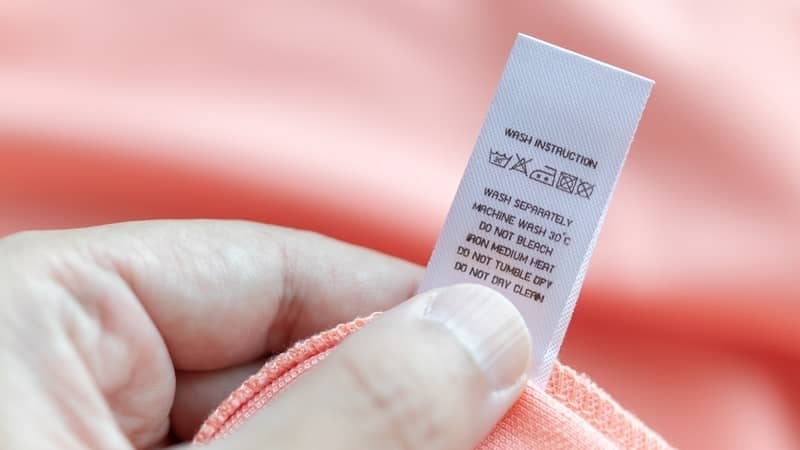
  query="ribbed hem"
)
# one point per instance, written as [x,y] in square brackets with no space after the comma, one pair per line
[575,392]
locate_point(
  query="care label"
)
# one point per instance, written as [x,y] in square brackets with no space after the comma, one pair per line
[536,189]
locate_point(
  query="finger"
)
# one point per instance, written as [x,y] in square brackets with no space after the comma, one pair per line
[198,393]
[223,293]
[437,372]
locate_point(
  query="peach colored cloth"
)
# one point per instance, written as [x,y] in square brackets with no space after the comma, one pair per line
[573,413]
[356,119]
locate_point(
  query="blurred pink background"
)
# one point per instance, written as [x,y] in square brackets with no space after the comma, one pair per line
[356,119]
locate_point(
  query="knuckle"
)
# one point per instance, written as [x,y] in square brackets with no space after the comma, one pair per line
[394,403]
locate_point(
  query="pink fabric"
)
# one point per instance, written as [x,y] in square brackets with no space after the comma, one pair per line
[356,119]
[573,412]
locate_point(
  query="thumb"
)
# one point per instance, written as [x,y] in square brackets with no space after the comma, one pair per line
[436,372]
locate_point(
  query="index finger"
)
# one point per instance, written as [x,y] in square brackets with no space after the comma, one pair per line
[225,292]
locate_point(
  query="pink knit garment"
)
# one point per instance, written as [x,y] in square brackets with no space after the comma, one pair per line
[572,413]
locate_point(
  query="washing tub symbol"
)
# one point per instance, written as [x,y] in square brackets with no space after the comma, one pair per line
[498,159]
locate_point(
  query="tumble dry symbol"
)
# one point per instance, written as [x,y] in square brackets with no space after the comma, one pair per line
[549,176]
[566,182]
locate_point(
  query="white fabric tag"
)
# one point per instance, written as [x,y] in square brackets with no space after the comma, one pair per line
[537,186]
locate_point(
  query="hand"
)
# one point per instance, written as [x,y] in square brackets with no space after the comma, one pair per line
[128,335]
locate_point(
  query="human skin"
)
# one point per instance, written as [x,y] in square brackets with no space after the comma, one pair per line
[128,335]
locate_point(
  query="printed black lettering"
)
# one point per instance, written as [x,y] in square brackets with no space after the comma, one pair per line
[477,240]
[478,273]
[481,258]
[534,245]
[494,213]
[531,227]
[509,252]
[497,195]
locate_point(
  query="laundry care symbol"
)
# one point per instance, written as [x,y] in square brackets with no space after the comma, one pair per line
[521,165]
[585,189]
[549,176]
[545,176]
[566,182]
[498,159]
